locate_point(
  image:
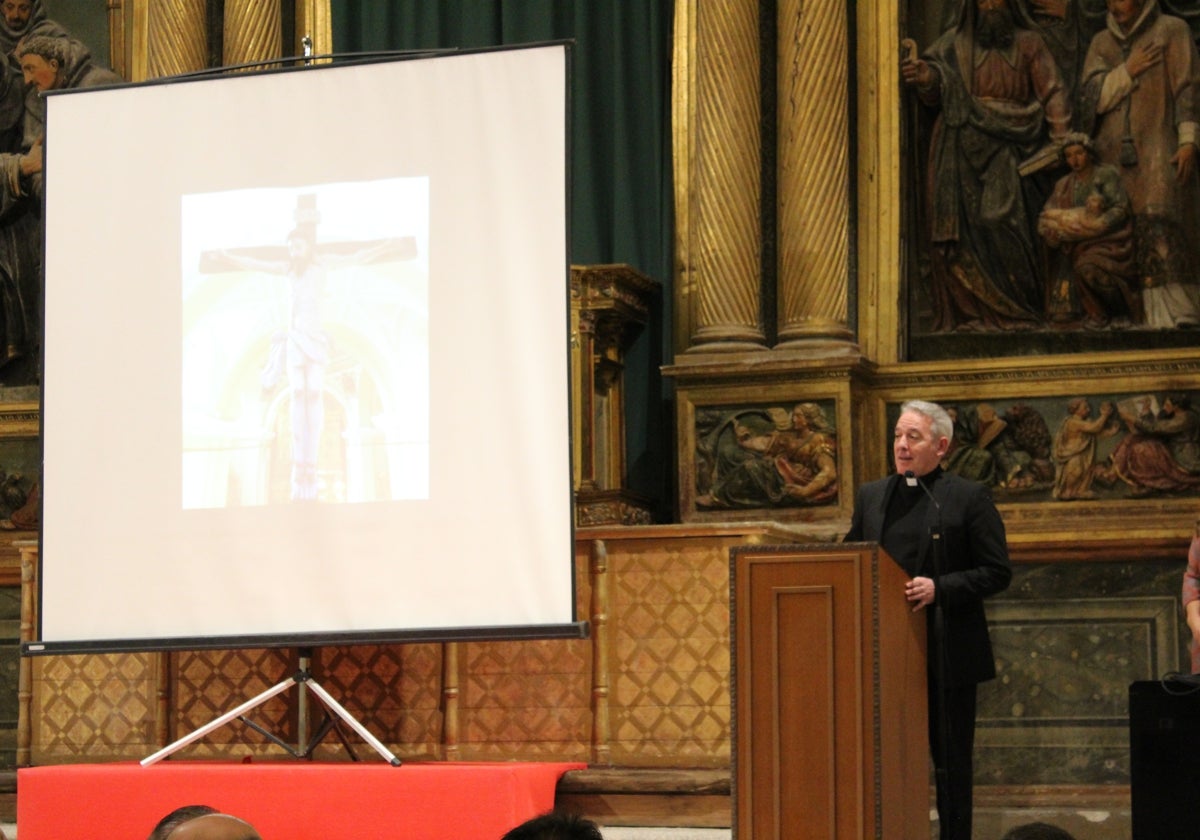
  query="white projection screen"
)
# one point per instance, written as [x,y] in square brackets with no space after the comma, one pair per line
[306,365]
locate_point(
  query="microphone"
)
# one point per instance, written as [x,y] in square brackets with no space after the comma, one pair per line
[935,533]
[939,624]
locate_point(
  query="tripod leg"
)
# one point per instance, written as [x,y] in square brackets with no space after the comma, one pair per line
[333,704]
[270,736]
[330,722]
[220,721]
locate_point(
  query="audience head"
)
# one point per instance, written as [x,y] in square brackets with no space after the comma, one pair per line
[555,826]
[177,818]
[1037,831]
[214,827]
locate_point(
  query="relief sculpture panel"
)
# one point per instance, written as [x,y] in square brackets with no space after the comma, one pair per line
[1053,194]
[1079,447]
[765,456]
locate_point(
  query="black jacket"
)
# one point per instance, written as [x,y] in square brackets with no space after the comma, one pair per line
[975,563]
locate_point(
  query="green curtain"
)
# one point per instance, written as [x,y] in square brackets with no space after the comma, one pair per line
[621,155]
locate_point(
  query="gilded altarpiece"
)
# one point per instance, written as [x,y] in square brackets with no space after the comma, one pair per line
[763,324]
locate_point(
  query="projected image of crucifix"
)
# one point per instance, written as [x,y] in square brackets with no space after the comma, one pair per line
[300,351]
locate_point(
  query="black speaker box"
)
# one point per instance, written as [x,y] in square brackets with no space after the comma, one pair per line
[1164,766]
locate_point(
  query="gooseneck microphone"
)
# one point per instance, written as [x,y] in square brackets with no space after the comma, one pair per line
[910,478]
[939,630]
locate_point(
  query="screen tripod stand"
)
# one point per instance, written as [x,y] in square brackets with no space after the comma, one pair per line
[303,679]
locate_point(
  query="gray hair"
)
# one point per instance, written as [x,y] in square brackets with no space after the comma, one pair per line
[939,419]
[49,48]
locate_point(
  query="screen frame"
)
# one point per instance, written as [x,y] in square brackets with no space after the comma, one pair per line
[400,634]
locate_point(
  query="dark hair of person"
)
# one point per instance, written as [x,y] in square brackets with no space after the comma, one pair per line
[177,818]
[555,825]
[1037,831]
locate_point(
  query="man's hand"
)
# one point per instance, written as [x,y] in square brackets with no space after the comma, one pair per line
[920,592]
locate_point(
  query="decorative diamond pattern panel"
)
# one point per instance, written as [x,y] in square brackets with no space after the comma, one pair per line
[207,684]
[90,706]
[659,630]
[526,700]
[392,690]
[670,657]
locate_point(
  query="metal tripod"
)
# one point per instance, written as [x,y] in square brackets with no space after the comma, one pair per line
[303,679]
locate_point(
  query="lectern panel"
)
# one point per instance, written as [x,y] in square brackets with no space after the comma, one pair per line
[828,696]
[803,706]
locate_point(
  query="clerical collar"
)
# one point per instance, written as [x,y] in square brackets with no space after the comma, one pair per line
[929,478]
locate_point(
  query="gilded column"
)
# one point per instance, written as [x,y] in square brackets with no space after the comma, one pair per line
[25,677]
[815,156]
[450,702]
[880,183]
[162,699]
[118,58]
[718,183]
[601,727]
[253,31]
[315,20]
[168,38]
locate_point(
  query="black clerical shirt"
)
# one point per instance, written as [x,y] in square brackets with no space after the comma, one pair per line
[904,523]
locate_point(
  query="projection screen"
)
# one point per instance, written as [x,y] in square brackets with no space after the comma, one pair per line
[306,357]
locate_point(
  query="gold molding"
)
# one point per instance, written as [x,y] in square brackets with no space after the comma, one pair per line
[683,94]
[20,420]
[880,185]
[315,19]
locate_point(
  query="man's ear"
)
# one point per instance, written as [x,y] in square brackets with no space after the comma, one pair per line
[943,446]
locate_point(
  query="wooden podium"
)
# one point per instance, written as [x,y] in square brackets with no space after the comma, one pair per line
[830,732]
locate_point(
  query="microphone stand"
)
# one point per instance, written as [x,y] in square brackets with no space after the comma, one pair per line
[941,770]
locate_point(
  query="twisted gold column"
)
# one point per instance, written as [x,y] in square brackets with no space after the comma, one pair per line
[814,208]
[253,31]
[169,38]
[716,96]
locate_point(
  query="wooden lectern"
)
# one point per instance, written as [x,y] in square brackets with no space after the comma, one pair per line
[830,718]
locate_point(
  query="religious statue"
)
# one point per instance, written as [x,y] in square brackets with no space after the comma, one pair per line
[999,97]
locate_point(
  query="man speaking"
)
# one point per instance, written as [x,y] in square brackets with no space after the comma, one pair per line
[946,533]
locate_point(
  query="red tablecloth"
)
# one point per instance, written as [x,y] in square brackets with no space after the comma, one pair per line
[296,801]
